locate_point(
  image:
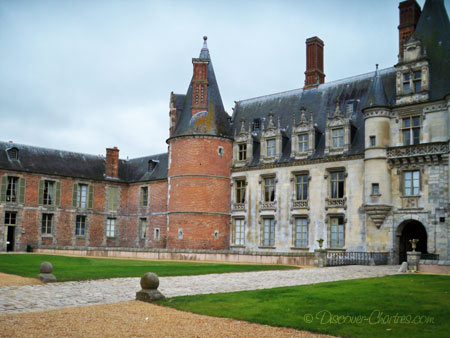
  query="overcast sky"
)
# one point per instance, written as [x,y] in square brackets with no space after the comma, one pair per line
[85,75]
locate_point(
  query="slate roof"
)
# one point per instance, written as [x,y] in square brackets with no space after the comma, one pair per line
[65,163]
[377,94]
[191,125]
[321,103]
[433,29]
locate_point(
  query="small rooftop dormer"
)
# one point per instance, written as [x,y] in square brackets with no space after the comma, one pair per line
[152,165]
[13,154]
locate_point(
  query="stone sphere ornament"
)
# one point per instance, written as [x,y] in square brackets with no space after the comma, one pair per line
[149,281]
[46,275]
[149,292]
[46,267]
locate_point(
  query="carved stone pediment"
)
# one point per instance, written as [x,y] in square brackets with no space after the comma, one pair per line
[338,120]
[271,132]
[303,127]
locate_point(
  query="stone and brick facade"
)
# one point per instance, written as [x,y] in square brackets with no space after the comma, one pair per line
[361,163]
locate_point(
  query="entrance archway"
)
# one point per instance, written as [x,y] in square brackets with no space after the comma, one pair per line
[408,230]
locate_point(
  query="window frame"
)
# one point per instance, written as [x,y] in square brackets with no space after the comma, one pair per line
[238,237]
[10,218]
[143,198]
[81,187]
[338,180]
[410,129]
[299,236]
[339,242]
[111,227]
[12,189]
[143,228]
[49,198]
[339,138]
[242,151]
[301,185]
[46,224]
[80,225]
[267,191]
[156,234]
[271,147]
[240,190]
[375,189]
[303,142]
[270,240]
[412,180]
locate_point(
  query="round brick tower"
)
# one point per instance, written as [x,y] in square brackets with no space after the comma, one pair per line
[200,154]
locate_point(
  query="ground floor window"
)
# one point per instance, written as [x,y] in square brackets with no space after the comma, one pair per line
[156,234]
[337,232]
[268,232]
[10,218]
[47,220]
[111,227]
[80,225]
[301,233]
[237,234]
[143,228]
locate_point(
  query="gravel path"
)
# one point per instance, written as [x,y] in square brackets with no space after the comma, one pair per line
[18,299]
[134,319]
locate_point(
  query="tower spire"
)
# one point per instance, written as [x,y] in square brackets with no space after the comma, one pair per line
[377,95]
[204,53]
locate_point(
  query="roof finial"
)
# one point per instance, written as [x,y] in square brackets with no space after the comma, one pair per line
[204,53]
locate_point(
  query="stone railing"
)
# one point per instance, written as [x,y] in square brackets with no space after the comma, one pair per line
[268,205]
[238,207]
[303,204]
[425,149]
[336,203]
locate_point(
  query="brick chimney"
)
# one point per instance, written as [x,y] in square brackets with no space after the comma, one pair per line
[314,74]
[112,162]
[200,80]
[409,12]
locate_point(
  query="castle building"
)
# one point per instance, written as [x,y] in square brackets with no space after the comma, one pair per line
[360,163]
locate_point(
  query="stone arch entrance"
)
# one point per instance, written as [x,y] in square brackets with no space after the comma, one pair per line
[407,230]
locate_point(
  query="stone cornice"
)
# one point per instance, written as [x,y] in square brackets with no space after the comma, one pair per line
[301,162]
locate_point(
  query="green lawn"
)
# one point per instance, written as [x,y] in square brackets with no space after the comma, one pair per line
[84,268]
[333,308]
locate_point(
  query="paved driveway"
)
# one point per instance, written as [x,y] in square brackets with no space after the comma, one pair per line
[16,299]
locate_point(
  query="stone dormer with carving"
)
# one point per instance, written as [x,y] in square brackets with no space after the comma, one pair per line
[303,136]
[242,146]
[338,132]
[413,76]
[271,141]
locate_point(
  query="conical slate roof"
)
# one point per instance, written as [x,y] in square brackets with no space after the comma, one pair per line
[377,95]
[214,121]
[433,30]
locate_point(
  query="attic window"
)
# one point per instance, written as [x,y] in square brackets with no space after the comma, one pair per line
[13,154]
[151,165]
[256,124]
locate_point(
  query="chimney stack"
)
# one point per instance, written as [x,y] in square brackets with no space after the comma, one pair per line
[112,162]
[409,12]
[314,74]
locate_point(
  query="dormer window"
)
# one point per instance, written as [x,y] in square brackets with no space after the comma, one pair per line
[271,147]
[242,151]
[338,138]
[256,124]
[303,143]
[151,165]
[417,81]
[13,153]
[406,83]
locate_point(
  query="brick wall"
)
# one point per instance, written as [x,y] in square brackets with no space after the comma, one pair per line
[199,191]
[29,215]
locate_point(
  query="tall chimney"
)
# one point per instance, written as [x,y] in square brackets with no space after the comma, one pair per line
[112,162]
[314,74]
[200,80]
[409,12]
